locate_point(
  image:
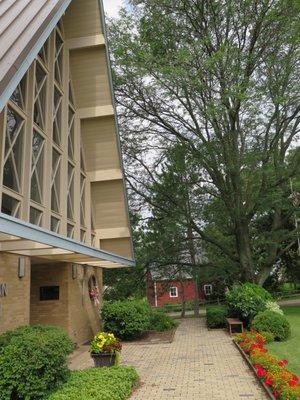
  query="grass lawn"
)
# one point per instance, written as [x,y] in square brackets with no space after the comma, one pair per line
[291,348]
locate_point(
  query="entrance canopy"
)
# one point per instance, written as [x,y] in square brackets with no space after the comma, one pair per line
[22,238]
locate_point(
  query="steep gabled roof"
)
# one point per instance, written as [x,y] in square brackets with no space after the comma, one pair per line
[24,27]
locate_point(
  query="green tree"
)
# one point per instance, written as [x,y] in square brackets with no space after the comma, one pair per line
[222,79]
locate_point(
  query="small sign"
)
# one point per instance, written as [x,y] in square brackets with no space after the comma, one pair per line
[3,289]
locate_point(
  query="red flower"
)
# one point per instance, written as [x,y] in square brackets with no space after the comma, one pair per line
[292,382]
[282,363]
[275,394]
[269,382]
[295,377]
[261,372]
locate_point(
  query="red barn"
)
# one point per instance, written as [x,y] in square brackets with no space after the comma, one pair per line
[172,289]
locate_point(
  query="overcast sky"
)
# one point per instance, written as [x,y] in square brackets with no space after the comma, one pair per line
[112,7]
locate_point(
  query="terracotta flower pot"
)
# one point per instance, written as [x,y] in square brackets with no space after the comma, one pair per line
[104,359]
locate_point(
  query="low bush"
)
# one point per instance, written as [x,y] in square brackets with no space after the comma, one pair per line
[269,321]
[114,383]
[160,321]
[216,316]
[33,361]
[246,300]
[127,319]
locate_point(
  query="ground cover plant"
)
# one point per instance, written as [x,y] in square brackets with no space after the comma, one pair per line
[290,349]
[33,361]
[216,316]
[273,371]
[114,383]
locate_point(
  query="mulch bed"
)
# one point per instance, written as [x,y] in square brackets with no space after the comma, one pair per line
[153,337]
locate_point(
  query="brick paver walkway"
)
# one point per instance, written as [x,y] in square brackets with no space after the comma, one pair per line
[198,365]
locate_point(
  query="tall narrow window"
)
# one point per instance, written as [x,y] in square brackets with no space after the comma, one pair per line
[57,116]
[58,63]
[71,133]
[43,53]
[18,96]
[35,216]
[13,157]
[39,112]
[70,202]
[10,206]
[55,223]
[82,199]
[55,184]
[37,167]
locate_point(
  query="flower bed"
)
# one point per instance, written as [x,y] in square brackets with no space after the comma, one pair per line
[272,372]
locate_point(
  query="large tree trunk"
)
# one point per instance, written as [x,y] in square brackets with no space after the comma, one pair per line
[244,251]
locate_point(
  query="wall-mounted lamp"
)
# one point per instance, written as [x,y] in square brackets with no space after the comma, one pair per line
[74,271]
[21,267]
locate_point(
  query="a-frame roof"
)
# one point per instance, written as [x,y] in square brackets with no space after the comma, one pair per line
[24,27]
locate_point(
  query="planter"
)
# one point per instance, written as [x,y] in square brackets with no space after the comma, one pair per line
[104,360]
[247,359]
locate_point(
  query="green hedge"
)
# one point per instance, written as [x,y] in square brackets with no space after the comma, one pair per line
[270,321]
[113,383]
[33,361]
[126,318]
[216,316]
[246,300]
[160,321]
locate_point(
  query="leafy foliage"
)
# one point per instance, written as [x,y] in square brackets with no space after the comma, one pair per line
[126,318]
[33,361]
[160,321]
[221,80]
[216,316]
[273,322]
[246,300]
[273,306]
[114,383]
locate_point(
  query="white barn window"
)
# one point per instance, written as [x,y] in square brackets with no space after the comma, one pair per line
[173,292]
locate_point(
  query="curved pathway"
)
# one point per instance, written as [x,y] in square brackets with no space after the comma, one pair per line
[199,364]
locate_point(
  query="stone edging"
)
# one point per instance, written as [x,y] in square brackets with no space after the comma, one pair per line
[247,359]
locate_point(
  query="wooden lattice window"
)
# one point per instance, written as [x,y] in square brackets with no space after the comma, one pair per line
[55,223]
[39,112]
[19,94]
[57,116]
[82,198]
[70,197]
[13,153]
[43,53]
[58,62]
[70,231]
[35,216]
[55,183]
[37,167]
[71,133]
[10,206]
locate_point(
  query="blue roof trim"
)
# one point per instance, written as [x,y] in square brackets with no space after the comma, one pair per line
[6,94]
[16,227]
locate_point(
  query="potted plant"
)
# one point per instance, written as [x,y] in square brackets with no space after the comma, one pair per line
[105,349]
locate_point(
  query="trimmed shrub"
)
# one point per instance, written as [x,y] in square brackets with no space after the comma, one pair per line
[269,321]
[33,361]
[216,316]
[127,319]
[114,383]
[160,321]
[246,300]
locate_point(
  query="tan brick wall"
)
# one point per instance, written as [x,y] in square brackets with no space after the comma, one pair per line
[50,312]
[74,310]
[14,308]
[84,319]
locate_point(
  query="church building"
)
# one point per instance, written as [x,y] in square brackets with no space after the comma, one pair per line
[64,214]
